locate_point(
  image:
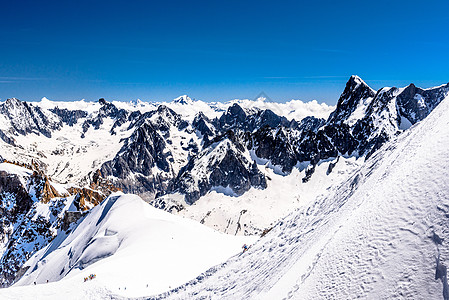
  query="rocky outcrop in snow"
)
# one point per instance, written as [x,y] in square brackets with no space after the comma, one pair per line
[224,165]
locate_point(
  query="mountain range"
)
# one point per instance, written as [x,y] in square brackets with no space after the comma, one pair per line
[291,172]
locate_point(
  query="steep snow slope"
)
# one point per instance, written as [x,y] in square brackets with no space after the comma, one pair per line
[128,243]
[381,235]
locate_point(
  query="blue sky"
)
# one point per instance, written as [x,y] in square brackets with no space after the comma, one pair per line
[218,50]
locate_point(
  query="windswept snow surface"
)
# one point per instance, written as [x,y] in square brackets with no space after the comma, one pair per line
[381,235]
[133,248]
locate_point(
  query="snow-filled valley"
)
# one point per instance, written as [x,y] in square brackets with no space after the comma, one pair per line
[157,199]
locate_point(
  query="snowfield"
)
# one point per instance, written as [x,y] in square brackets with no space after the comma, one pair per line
[133,248]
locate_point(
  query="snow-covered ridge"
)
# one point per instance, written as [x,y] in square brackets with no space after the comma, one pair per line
[133,248]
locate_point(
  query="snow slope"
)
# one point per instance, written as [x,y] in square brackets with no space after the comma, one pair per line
[381,235]
[128,244]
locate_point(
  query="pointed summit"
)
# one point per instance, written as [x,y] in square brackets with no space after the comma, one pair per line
[356,93]
[355,81]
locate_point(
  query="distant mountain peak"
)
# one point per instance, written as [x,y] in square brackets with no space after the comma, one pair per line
[184,99]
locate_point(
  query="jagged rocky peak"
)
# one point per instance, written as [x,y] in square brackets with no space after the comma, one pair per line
[102,101]
[234,116]
[107,110]
[12,102]
[202,123]
[162,119]
[356,93]
[110,110]
[143,165]
[251,119]
[69,117]
[268,118]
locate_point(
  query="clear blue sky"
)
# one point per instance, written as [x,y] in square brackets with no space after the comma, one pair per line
[218,50]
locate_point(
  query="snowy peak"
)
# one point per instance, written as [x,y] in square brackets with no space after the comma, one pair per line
[356,95]
[184,99]
[354,79]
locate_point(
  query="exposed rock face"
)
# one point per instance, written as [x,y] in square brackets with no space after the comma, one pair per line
[162,153]
[89,197]
[107,110]
[236,118]
[86,198]
[20,228]
[42,187]
[276,146]
[361,123]
[309,124]
[415,103]
[69,218]
[14,197]
[204,125]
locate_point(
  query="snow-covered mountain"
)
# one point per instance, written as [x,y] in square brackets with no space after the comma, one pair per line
[238,167]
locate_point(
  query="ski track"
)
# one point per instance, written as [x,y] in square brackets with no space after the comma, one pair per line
[372,239]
